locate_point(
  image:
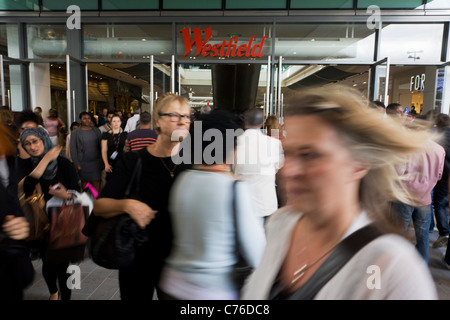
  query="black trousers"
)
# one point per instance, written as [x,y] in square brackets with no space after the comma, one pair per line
[16,273]
[55,275]
[140,280]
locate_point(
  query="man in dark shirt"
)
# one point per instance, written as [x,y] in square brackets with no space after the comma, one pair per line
[142,137]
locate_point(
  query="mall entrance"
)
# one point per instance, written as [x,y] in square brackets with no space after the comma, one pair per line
[71,86]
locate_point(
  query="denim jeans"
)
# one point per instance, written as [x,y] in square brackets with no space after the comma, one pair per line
[440,203]
[421,219]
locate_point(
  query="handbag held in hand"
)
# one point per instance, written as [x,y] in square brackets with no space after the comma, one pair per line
[67,219]
[113,241]
[33,208]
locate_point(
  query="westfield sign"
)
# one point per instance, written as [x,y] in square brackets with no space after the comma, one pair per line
[227,48]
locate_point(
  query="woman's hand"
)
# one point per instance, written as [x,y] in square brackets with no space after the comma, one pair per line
[59,191]
[108,168]
[53,153]
[141,213]
[17,228]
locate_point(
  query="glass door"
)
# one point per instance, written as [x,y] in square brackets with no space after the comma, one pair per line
[195,83]
[379,81]
[77,88]
[13,73]
[161,80]
[442,99]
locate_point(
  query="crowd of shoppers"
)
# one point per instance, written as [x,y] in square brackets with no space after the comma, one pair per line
[291,193]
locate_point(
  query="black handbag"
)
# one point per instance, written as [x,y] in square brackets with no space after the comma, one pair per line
[112,242]
[241,270]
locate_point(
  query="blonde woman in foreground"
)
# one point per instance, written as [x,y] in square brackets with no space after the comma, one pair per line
[339,177]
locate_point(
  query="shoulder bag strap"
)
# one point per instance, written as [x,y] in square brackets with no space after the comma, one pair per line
[338,258]
[135,176]
[234,208]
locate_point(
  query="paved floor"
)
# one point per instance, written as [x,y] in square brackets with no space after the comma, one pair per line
[98,283]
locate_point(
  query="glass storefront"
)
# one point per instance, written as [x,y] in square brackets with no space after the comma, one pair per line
[280,58]
[345,42]
[412,43]
[127,41]
[46,41]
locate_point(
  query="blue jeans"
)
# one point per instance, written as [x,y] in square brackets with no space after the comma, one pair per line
[421,219]
[440,203]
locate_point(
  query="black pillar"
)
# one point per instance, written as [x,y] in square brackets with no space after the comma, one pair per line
[235,86]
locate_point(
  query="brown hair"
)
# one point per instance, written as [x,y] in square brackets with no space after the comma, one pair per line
[272,123]
[6,142]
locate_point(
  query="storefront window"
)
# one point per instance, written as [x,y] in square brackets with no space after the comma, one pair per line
[224,41]
[120,41]
[417,86]
[412,43]
[344,42]
[437,4]
[9,46]
[46,41]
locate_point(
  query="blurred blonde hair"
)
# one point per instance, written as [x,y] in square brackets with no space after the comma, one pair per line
[381,143]
[161,105]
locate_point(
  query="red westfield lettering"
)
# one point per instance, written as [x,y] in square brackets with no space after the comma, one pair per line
[225,49]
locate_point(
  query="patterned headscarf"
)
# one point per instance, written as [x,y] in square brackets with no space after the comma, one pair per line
[41,133]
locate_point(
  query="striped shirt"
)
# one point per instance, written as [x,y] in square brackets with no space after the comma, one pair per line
[140,138]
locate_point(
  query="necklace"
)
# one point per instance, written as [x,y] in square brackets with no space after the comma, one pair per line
[170,171]
[300,272]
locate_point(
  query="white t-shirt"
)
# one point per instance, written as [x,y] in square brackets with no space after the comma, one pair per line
[258,159]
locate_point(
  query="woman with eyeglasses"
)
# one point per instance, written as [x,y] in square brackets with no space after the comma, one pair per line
[171,120]
[56,174]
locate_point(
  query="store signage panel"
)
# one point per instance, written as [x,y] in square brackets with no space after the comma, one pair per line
[225,48]
[417,82]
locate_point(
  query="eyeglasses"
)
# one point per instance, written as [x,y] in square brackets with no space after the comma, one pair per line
[30,142]
[174,117]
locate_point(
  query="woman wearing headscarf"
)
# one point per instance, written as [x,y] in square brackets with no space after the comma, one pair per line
[56,174]
[16,270]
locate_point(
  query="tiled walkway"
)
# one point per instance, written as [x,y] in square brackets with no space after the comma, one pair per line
[102,284]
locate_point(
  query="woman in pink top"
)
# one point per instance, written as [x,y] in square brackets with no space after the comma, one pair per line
[54,125]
